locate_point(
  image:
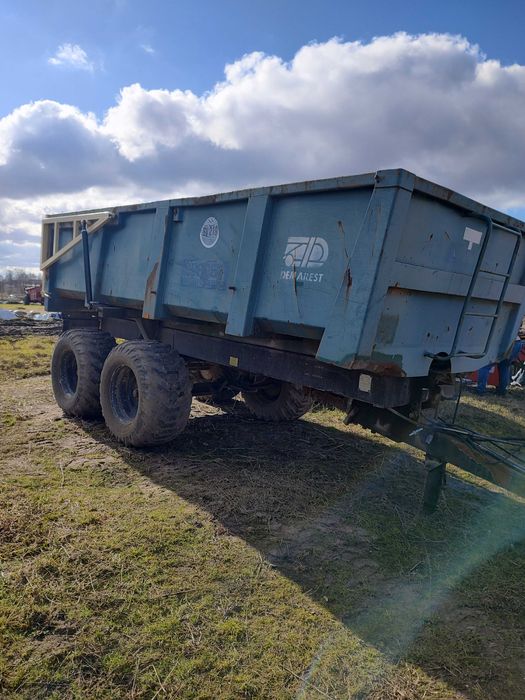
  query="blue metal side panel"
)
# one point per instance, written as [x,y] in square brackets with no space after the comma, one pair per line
[201,257]
[352,325]
[376,269]
[66,278]
[308,244]
[158,262]
[407,279]
[244,288]
[128,254]
[428,281]
[65,235]
[121,260]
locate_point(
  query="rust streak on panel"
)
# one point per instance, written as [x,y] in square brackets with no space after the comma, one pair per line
[151,280]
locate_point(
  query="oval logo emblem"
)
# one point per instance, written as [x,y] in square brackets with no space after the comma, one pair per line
[210,232]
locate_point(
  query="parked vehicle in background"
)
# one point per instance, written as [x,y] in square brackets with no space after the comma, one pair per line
[33,295]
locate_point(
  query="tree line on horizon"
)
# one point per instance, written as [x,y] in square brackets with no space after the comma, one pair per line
[15,280]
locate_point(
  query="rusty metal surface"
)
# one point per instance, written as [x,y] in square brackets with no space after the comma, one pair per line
[440,443]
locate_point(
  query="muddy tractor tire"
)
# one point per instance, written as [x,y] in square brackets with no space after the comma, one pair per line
[145,393]
[76,366]
[278,401]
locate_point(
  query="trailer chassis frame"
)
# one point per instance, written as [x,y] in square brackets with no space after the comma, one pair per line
[283,365]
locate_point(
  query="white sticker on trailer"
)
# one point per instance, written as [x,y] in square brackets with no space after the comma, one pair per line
[365,383]
[472,235]
[209,234]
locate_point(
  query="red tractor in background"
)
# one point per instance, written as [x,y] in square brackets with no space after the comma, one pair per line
[33,295]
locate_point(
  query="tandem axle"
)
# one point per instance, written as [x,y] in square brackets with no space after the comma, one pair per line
[144,386]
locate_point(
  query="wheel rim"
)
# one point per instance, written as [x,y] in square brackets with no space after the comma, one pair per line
[124,394]
[68,373]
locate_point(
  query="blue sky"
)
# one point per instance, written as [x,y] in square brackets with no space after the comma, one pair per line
[193,40]
[106,102]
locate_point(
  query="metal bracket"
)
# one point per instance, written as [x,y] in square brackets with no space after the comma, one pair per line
[142,329]
[87,265]
[51,229]
[434,483]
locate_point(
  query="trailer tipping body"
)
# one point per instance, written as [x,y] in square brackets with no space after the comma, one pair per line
[376,288]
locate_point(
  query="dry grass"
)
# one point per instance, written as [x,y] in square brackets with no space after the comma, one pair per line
[25,357]
[23,307]
[250,561]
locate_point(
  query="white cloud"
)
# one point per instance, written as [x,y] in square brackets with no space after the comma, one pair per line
[72,56]
[148,49]
[432,103]
[47,147]
[145,120]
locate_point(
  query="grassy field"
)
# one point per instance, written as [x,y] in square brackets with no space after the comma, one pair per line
[30,307]
[250,561]
[25,357]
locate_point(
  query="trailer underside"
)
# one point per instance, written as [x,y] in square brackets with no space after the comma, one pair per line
[396,407]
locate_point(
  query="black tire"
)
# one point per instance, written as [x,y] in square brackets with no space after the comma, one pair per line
[145,393]
[278,401]
[76,366]
[27,300]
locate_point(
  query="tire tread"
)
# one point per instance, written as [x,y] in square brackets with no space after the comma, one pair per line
[91,347]
[292,403]
[165,393]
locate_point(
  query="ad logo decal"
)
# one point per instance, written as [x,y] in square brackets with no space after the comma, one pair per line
[209,232]
[311,251]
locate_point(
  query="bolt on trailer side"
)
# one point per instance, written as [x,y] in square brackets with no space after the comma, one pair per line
[360,286]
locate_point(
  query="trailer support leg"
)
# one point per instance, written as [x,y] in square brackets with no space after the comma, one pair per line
[87,265]
[436,479]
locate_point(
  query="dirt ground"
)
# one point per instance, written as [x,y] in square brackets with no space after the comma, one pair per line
[20,327]
[250,561]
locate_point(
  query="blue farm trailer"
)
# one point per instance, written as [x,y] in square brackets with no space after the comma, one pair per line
[370,293]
